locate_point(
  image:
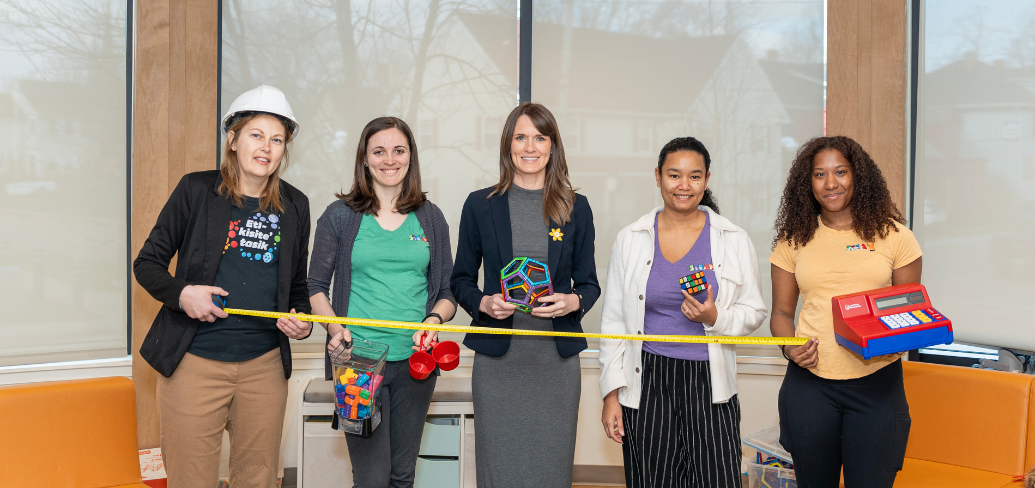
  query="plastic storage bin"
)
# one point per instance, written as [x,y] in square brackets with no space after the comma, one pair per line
[357,386]
[441,437]
[767,443]
[770,477]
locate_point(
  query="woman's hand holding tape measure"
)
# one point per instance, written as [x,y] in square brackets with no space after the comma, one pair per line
[805,355]
[214,307]
[294,328]
[200,302]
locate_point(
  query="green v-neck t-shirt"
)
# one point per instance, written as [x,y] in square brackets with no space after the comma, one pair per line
[389,281]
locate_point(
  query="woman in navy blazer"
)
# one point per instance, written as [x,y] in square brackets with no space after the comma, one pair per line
[526,389]
[485,235]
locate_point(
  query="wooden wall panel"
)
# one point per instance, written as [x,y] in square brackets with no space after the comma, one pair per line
[174,127]
[866,81]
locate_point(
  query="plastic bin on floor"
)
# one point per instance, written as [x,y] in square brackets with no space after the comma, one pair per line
[767,442]
[770,477]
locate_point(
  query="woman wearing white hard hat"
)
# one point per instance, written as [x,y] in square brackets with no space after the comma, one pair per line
[241,238]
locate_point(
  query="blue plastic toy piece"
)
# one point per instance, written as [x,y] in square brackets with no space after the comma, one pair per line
[363,379]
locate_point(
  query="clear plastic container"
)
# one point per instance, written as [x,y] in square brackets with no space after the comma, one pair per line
[357,373]
[767,443]
[770,477]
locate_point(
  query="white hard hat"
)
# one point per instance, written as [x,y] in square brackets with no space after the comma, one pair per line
[263,98]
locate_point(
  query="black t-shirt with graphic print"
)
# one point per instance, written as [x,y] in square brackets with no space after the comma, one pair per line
[248,272]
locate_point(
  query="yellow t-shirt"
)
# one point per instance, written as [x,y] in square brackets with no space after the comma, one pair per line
[830,265]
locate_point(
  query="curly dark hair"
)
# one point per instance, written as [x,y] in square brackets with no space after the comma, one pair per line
[873,212]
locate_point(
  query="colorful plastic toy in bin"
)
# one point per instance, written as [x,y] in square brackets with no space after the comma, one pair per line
[524,281]
[357,372]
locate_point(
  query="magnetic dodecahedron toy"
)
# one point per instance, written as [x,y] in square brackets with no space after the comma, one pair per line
[693,283]
[524,281]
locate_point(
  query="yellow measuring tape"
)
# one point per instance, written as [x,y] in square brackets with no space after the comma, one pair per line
[392,324]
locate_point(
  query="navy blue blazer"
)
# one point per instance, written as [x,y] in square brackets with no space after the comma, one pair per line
[485,236]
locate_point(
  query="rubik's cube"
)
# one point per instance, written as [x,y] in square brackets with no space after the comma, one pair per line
[524,281]
[693,283]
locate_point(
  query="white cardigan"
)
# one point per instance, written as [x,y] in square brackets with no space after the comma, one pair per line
[739,305]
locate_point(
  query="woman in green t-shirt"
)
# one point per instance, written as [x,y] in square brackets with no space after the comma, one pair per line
[386,247]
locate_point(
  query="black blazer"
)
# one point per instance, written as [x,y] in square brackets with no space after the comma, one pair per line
[485,234]
[193,226]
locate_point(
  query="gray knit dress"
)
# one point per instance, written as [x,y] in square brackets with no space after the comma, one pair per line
[526,402]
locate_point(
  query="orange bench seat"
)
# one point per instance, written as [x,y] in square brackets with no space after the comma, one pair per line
[69,434]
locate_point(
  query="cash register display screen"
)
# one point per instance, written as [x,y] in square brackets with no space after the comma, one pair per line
[891,302]
[899,300]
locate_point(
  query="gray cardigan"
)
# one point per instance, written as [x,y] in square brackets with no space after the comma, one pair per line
[332,257]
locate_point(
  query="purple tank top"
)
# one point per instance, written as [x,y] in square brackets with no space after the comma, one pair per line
[664,297]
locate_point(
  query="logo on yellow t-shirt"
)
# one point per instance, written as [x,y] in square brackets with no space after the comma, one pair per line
[861,247]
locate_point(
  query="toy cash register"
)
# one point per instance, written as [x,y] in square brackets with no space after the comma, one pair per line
[889,320]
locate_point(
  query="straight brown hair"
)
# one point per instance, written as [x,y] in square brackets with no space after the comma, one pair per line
[361,198]
[231,169]
[558,195]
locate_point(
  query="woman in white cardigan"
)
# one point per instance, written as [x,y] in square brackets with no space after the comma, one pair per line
[675,404]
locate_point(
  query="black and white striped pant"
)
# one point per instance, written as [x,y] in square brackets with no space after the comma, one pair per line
[678,437]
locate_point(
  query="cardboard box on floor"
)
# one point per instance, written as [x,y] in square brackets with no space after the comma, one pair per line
[152,468]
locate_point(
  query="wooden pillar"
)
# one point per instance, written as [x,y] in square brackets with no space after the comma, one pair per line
[174,133]
[866,81]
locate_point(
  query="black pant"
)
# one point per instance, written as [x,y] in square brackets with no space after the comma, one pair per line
[678,437]
[860,424]
[389,457]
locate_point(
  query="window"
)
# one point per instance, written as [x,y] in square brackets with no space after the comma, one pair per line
[63,249]
[974,180]
[622,79]
[571,130]
[739,76]
[341,69]
[491,128]
[427,134]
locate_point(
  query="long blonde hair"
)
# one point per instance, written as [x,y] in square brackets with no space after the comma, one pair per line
[558,195]
[231,169]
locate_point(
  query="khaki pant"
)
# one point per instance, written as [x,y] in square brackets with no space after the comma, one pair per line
[204,397]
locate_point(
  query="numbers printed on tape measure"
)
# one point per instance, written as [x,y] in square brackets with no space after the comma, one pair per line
[392,324]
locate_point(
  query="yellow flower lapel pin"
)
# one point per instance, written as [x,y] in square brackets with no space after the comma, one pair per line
[556,234]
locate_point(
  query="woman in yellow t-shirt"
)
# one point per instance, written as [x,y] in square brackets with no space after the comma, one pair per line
[838,410]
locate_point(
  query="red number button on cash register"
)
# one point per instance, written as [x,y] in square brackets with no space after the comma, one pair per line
[889,320]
